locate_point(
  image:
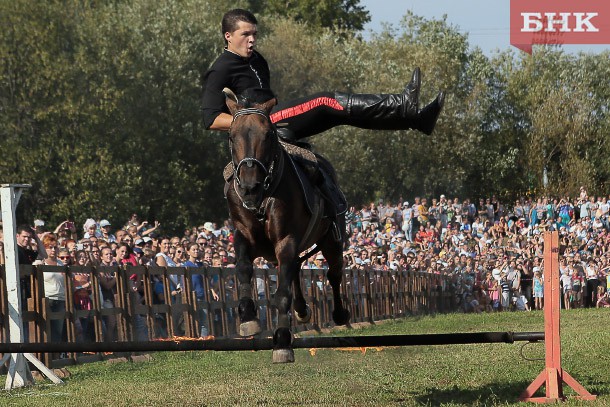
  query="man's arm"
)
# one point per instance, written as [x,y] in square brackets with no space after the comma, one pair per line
[42,252]
[222,122]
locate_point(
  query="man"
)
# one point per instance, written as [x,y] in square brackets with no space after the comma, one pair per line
[120,234]
[240,67]
[106,235]
[25,253]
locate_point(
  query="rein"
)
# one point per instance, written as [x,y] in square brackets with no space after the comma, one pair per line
[250,162]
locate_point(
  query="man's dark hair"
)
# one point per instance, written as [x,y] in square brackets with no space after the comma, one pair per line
[255,96]
[232,18]
[26,228]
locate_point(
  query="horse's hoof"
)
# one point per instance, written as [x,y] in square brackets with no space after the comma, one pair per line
[341,317]
[250,328]
[305,319]
[283,356]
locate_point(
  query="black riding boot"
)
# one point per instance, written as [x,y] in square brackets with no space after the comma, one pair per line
[392,111]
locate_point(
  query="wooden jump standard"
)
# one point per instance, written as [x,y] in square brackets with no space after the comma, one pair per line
[553,376]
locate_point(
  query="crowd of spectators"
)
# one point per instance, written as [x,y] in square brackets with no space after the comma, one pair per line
[489,252]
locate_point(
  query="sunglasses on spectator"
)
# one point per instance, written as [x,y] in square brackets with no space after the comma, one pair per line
[64,257]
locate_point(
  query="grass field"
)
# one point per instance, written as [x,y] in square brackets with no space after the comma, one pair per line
[456,375]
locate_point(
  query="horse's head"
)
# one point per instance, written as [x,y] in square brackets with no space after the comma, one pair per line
[254,144]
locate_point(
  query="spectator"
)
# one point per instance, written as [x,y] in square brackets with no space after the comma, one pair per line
[82,299]
[107,281]
[604,301]
[538,290]
[90,227]
[106,234]
[65,230]
[592,284]
[199,286]
[179,255]
[54,287]
[25,253]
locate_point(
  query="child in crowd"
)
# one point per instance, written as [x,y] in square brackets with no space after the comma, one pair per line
[505,288]
[604,300]
[577,282]
[520,303]
[538,290]
[471,304]
[566,281]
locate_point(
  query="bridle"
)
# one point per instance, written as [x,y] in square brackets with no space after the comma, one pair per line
[250,162]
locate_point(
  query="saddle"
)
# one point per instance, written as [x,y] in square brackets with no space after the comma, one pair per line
[312,176]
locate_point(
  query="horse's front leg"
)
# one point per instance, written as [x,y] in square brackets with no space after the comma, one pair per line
[250,325]
[288,269]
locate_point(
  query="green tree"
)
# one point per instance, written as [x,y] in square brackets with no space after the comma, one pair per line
[334,14]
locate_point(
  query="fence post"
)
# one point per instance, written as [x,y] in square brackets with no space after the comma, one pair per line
[19,374]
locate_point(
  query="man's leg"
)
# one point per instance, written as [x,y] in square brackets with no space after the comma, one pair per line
[314,114]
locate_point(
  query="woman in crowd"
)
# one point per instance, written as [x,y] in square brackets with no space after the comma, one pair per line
[108,282]
[54,287]
[180,255]
[83,299]
[199,287]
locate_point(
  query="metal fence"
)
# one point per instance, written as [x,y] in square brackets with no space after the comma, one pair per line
[140,311]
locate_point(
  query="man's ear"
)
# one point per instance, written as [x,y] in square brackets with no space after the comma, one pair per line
[231,100]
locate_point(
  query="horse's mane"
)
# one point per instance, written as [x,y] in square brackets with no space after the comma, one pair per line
[255,96]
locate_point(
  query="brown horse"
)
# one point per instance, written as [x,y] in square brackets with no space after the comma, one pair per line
[271,218]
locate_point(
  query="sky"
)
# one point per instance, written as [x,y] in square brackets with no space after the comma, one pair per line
[485,21]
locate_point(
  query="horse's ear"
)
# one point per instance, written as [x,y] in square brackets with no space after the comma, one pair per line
[268,105]
[231,100]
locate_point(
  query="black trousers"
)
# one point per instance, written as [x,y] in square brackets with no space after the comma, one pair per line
[310,115]
[591,298]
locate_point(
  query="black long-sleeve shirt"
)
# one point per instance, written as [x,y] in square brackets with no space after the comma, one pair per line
[236,73]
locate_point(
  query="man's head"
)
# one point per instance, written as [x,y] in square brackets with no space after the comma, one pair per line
[105,226]
[107,256]
[120,234]
[24,235]
[239,31]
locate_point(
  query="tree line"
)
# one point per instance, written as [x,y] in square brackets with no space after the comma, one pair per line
[100,107]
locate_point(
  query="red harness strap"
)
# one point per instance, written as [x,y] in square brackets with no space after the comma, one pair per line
[305,107]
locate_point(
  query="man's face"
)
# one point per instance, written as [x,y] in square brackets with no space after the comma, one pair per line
[24,238]
[107,255]
[242,40]
[119,235]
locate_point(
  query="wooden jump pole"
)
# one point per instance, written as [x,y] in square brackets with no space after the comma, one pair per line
[256,344]
[553,376]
